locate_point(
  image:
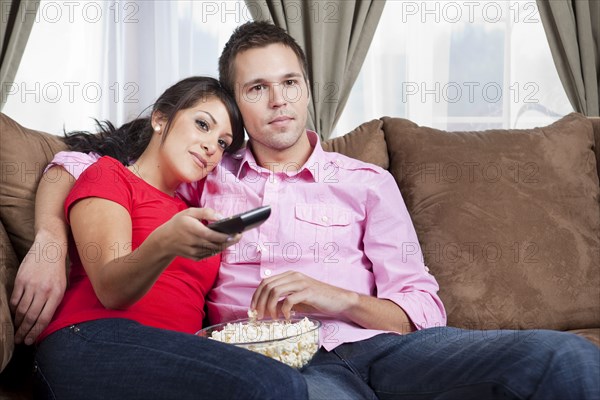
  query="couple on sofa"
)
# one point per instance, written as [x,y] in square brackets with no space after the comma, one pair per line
[331,248]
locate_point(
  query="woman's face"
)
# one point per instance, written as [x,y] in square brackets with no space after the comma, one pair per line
[196,140]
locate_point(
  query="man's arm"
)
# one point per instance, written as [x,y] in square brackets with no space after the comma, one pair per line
[391,244]
[307,295]
[406,293]
[41,279]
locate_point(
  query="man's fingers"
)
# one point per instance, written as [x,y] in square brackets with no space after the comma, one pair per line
[271,290]
[37,318]
[23,307]
[15,298]
[292,301]
[275,295]
[258,298]
[27,320]
[41,323]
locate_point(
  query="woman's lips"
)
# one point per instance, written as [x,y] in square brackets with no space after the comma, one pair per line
[199,160]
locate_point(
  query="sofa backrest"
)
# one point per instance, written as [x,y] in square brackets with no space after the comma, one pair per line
[596,124]
[508,220]
[24,153]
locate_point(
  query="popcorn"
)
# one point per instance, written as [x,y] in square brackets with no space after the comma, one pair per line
[293,343]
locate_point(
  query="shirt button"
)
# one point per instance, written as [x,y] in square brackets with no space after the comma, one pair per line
[268,272]
[324,218]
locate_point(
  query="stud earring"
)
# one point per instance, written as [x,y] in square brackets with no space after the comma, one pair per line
[157,128]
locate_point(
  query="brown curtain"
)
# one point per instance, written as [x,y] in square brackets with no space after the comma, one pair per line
[16,20]
[572,30]
[335,36]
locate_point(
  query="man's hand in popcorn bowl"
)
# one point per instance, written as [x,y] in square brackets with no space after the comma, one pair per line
[291,290]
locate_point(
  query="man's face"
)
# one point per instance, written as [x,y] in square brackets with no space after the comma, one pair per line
[272,95]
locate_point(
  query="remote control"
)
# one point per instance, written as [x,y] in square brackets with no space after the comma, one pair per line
[241,222]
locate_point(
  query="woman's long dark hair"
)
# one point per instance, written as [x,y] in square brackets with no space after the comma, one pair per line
[128,142]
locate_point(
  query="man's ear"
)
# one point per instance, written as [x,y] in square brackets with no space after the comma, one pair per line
[308,88]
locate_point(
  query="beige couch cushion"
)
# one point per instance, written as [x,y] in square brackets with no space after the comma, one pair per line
[591,334]
[8,269]
[365,143]
[596,124]
[24,153]
[509,221]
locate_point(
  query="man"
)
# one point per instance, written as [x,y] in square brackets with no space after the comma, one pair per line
[333,248]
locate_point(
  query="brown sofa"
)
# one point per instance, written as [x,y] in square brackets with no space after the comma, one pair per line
[508,221]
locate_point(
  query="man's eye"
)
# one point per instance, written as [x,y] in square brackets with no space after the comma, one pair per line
[258,88]
[202,124]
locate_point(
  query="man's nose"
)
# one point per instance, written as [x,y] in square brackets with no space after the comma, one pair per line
[277,96]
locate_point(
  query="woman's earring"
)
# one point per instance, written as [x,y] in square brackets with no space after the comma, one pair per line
[157,128]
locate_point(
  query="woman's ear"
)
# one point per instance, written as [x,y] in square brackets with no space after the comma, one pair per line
[158,122]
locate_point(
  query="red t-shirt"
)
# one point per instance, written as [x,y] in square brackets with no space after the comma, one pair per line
[176,300]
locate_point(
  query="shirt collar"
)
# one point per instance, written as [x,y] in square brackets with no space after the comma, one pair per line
[247,159]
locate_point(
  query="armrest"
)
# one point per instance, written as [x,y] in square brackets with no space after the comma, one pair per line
[8,270]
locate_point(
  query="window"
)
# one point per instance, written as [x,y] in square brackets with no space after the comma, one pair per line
[458,65]
[110,59]
[452,65]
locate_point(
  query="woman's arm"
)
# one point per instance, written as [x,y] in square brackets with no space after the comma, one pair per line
[120,277]
[41,280]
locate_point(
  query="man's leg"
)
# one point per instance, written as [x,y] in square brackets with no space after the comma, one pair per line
[110,359]
[328,377]
[449,363]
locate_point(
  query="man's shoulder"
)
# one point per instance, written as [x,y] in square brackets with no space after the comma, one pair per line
[352,164]
[231,162]
[226,171]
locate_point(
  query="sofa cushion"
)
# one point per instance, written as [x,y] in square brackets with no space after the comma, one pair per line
[508,220]
[596,125]
[365,143]
[24,153]
[8,269]
[591,334]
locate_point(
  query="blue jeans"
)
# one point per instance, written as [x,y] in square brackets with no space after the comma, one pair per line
[121,359]
[450,363]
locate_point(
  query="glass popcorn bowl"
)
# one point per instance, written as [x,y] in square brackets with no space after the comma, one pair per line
[293,342]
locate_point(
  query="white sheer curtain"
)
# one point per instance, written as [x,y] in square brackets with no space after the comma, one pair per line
[447,64]
[458,65]
[110,59]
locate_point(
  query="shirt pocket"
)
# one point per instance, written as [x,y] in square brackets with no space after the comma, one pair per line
[322,228]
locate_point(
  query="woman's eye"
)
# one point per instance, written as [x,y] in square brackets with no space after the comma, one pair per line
[202,124]
[290,82]
[223,144]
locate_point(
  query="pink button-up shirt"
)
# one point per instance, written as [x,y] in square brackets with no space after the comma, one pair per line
[335,219]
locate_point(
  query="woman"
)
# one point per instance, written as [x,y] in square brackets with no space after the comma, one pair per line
[136,294]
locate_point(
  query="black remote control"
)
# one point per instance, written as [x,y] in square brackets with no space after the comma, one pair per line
[241,222]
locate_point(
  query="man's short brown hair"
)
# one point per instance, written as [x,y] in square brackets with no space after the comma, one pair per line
[255,34]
